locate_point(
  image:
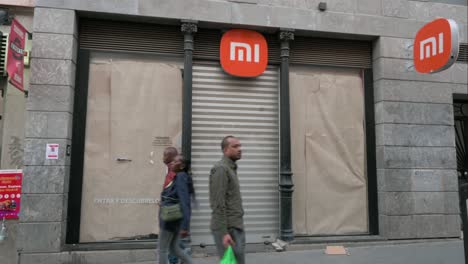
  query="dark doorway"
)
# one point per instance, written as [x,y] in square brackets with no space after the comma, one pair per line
[460,109]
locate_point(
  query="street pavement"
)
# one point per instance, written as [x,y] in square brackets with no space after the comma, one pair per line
[439,252]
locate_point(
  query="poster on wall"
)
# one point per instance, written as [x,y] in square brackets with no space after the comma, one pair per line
[15,59]
[52,151]
[10,193]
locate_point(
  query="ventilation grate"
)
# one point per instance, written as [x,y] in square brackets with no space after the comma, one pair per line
[331,52]
[132,37]
[463,53]
[3,54]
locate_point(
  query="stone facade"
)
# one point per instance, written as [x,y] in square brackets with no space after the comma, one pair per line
[415,143]
[49,120]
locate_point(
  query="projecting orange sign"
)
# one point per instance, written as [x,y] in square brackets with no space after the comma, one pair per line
[243,53]
[436,46]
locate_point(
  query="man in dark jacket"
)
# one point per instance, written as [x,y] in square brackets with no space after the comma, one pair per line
[227,224]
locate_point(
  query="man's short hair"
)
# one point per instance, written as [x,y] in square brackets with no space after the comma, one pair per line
[225,142]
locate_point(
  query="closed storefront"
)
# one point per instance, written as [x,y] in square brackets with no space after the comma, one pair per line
[134,106]
[248,109]
[328,151]
[328,137]
[131,110]
[134,111]
[139,101]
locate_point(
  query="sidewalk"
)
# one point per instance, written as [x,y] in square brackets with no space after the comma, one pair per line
[449,252]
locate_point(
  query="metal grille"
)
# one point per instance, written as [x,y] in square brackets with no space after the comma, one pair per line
[331,52]
[129,36]
[463,53]
[248,109]
[461,147]
[3,53]
[460,110]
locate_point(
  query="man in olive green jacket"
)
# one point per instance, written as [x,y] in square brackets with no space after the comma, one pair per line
[227,224]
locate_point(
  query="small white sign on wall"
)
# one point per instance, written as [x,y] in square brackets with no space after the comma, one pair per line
[52,151]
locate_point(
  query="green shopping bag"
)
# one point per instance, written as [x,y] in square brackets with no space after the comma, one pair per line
[228,257]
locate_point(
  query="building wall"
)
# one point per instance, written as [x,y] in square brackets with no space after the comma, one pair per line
[416,156]
[12,131]
[20,3]
[49,115]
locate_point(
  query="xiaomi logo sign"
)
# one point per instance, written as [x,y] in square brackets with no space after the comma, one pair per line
[243,53]
[436,46]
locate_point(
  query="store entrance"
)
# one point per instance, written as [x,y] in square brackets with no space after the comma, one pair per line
[134,111]
[328,151]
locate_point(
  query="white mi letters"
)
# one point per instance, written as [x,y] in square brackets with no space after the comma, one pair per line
[237,49]
[429,44]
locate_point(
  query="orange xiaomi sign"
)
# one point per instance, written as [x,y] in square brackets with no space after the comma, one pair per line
[436,46]
[243,53]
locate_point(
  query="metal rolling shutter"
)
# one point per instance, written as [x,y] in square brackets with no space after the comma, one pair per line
[124,36]
[331,52]
[248,109]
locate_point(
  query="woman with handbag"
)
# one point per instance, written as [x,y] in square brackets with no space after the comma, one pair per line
[175,211]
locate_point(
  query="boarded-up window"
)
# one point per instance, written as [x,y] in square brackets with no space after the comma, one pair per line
[328,151]
[134,111]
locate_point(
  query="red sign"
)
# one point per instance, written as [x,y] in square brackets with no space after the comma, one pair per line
[15,65]
[10,193]
[436,46]
[243,53]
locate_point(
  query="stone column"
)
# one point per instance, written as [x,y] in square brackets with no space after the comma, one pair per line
[285,183]
[48,120]
[188,28]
